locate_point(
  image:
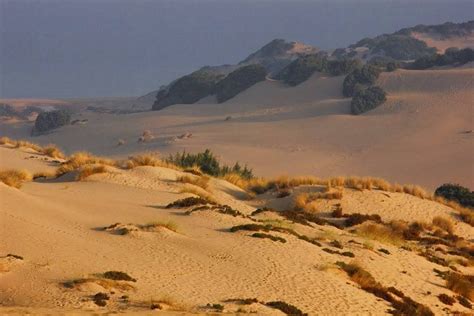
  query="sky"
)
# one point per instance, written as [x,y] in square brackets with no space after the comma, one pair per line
[102,48]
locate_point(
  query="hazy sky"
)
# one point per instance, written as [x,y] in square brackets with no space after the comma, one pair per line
[83,48]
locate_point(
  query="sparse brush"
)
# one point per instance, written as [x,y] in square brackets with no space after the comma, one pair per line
[52,151]
[26,144]
[444,223]
[286,308]
[80,159]
[417,191]
[461,284]
[15,178]
[89,170]
[118,276]
[200,181]
[199,192]
[380,233]
[147,160]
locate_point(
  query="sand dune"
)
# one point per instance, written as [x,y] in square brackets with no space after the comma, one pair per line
[56,227]
[417,136]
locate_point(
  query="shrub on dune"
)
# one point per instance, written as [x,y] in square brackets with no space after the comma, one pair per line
[52,151]
[15,178]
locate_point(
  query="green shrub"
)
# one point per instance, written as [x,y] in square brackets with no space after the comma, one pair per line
[359,78]
[304,67]
[368,99]
[208,163]
[238,81]
[452,56]
[188,89]
[457,193]
[47,121]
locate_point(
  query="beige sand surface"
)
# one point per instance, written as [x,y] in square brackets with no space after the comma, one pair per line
[417,136]
[55,225]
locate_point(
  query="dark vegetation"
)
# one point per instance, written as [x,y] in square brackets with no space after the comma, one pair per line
[100,299]
[302,68]
[286,308]
[268,236]
[189,201]
[452,56]
[359,79]
[238,81]
[367,99]
[457,193]
[188,89]
[445,30]
[208,163]
[50,120]
[118,276]
[446,299]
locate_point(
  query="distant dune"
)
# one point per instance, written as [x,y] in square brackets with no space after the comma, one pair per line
[418,135]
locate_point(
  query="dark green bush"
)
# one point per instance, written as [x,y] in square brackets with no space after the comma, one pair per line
[188,89]
[47,121]
[208,163]
[304,67]
[452,56]
[359,78]
[238,81]
[368,99]
[457,193]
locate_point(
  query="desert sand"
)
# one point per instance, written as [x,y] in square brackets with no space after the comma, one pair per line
[420,135]
[57,227]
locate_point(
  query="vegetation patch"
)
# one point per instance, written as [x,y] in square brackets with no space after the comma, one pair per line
[359,79]
[446,299]
[268,236]
[367,99]
[286,308]
[457,193]
[188,202]
[238,81]
[118,276]
[452,56]
[15,178]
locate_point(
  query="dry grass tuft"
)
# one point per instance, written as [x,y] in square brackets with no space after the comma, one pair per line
[52,151]
[199,192]
[15,178]
[382,233]
[80,159]
[200,181]
[444,223]
[7,141]
[89,170]
[26,144]
[43,174]
[147,160]
[461,284]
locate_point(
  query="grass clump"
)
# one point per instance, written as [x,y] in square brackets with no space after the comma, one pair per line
[200,181]
[188,202]
[80,159]
[52,151]
[208,163]
[15,178]
[170,225]
[444,223]
[380,233]
[89,170]
[461,284]
[286,308]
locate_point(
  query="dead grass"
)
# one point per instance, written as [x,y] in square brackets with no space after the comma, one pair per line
[79,159]
[147,160]
[461,284]
[7,141]
[381,233]
[88,170]
[444,223]
[26,144]
[199,192]
[105,283]
[200,181]
[15,178]
[52,151]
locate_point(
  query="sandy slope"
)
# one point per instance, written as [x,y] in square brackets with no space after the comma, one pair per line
[55,225]
[416,137]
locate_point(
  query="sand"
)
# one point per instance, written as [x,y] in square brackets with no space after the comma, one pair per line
[418,136]
[56,226]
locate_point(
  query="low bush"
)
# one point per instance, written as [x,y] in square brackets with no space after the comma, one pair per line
[457,193]
[50,120]
[118,276]
[367,99]
[360,78]
[446,299]
[268,236]
[238,81]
